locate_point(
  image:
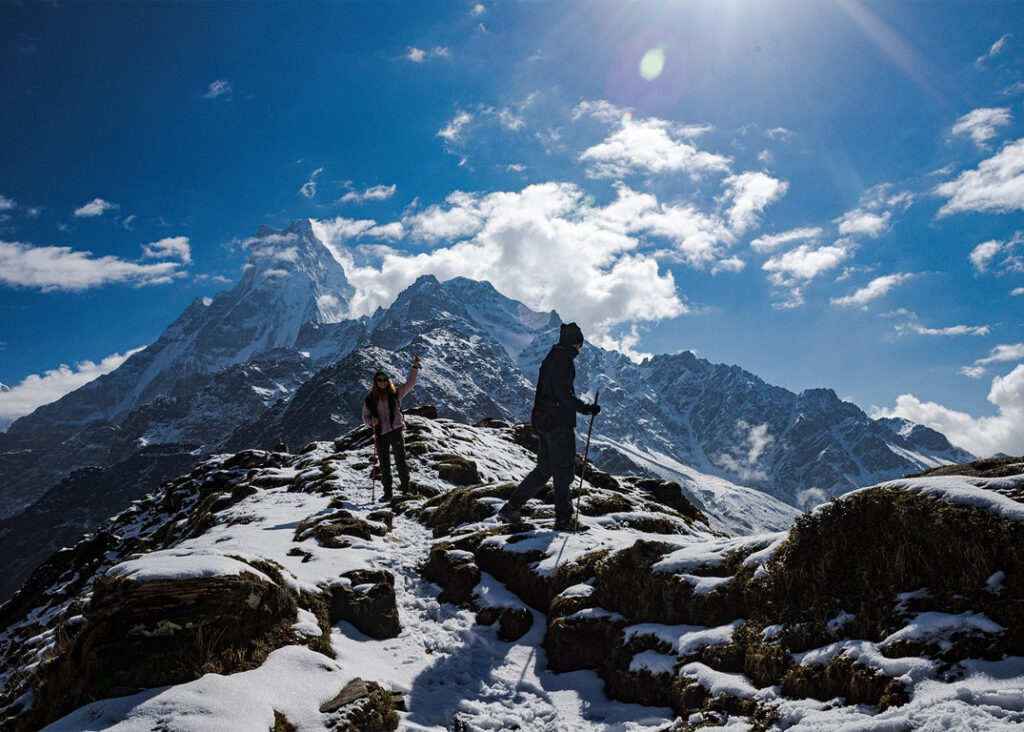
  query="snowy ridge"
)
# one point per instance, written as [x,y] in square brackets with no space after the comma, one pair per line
[454,668]
[270,361]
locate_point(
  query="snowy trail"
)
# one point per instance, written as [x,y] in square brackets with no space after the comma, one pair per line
[449,667]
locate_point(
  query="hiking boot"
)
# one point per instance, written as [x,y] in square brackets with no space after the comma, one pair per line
[510,515]
[386,497]
[564,526]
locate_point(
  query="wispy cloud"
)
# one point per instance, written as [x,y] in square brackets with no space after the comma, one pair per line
[39,389]
[873,217]
[61,268]
[771,242]
[913,326]
[95,207]
[175,247]
[309,187]
[981,124]
[373,193]
[452,132]
[998,256]
[7,204]
[219,89]
[997,184]
[875,289]
[419,55]
[1002,353]
[997,48]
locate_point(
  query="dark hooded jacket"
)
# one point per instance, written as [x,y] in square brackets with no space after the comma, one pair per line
[555,392]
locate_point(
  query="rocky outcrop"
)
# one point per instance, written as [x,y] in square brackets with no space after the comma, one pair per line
[366,598]
[164,631]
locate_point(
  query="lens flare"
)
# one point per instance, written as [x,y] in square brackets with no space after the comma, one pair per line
[653,63]
[627,118]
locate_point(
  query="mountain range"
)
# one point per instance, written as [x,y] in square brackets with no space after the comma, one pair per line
[274,360]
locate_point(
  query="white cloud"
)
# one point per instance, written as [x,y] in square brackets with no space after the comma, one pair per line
[791,271]
[1003,353]
[393,231]
[1000,354]
[452,132]
[95,207]
[219,88]
[997,48]
[1018,291]
[779,133]
[731,264]
[1001,257]
[981,124]
[984,253]
[983,436]
[61,268]
[601,110]
[7,204]
[973,372]
[864,222]
[806,262]
[952,330]
[478,10]
[751,193]
[171,247]
[419,55]
[648,147]
[373,193]
[39,389]
[997,184]
[543,245]
[511,120]
[874,290]
[309,187]
[771,242]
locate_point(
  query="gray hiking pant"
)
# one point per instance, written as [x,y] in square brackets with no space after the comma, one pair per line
[556,455]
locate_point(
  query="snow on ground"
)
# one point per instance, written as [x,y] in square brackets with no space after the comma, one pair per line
[966,490]
[730,507]
[443,661]
[449,667]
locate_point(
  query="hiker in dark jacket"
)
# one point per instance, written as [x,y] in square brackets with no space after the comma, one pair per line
[555,408]
[382,412]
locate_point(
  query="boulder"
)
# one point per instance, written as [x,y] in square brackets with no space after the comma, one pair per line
[367,601]
[165,631]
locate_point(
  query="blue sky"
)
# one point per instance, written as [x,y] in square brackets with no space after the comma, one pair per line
[826,194]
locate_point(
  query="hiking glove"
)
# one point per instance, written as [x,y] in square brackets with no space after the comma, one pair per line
[592,409]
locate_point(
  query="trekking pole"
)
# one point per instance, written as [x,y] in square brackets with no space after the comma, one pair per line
[373,472]
[583,470]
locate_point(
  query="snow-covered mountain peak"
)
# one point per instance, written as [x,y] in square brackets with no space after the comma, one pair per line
[299,271]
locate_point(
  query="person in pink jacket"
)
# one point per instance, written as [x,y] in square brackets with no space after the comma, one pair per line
[382,412]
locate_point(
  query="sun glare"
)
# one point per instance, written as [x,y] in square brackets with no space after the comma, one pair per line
[653,63]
